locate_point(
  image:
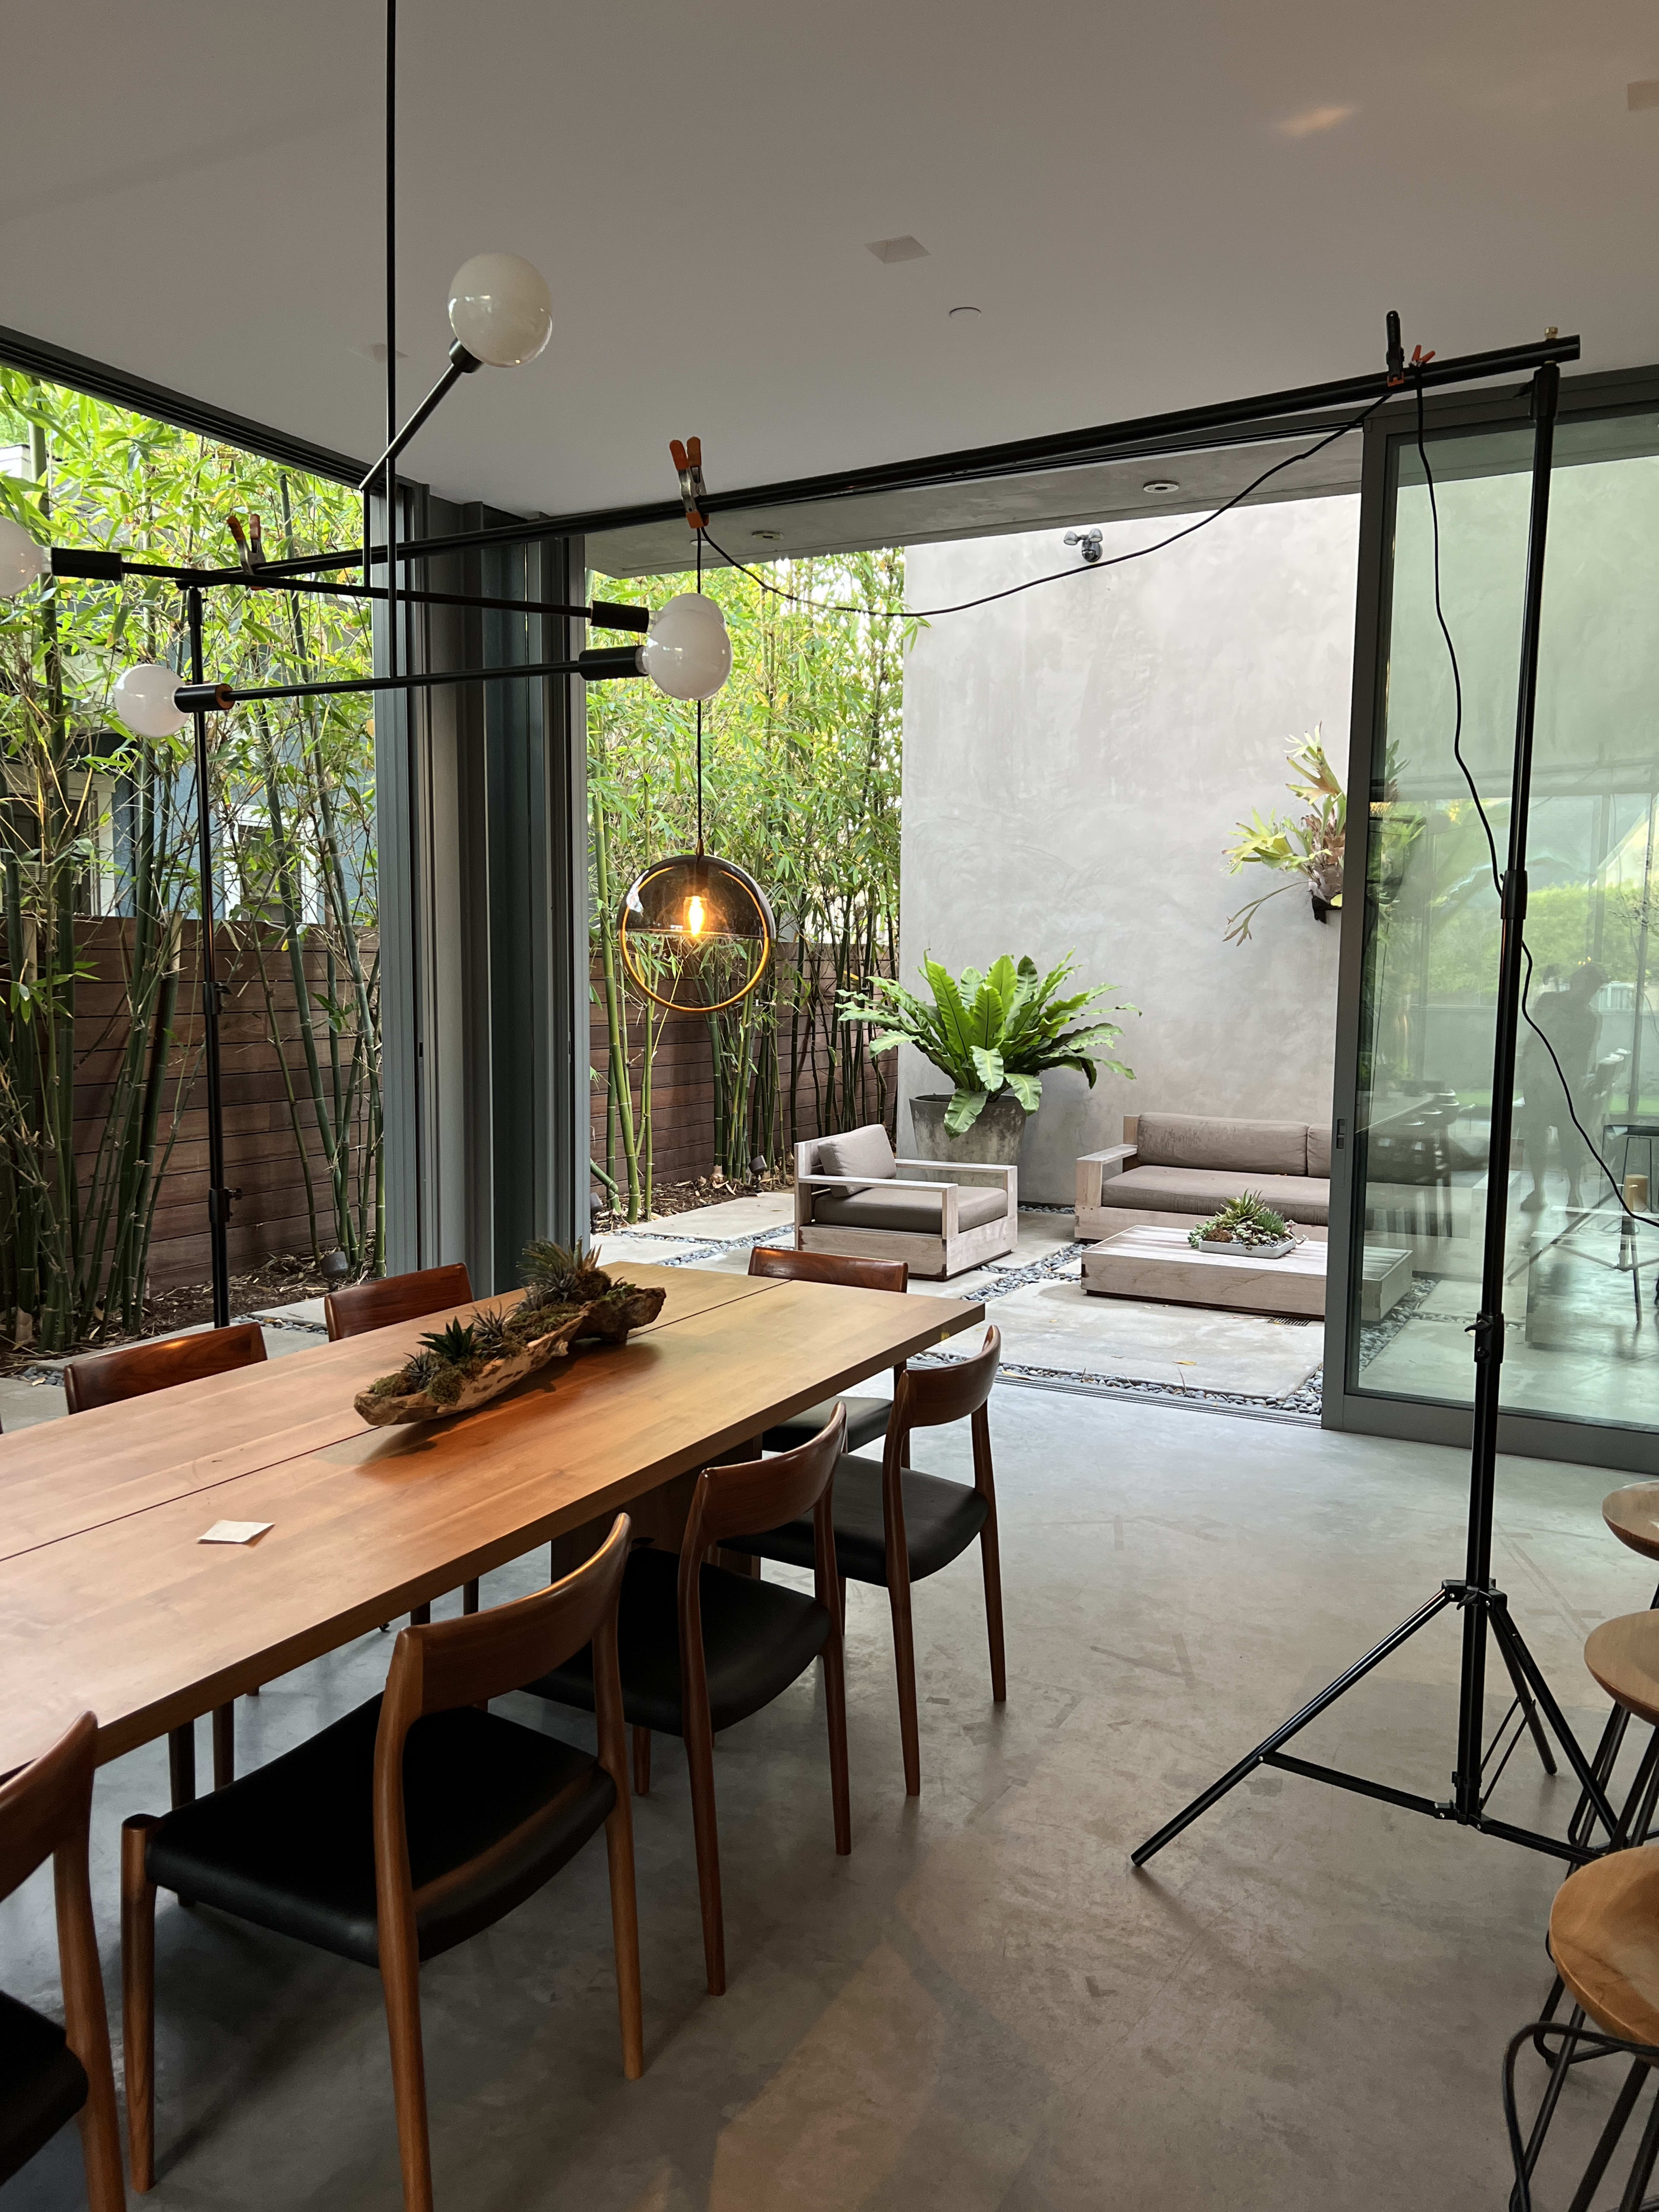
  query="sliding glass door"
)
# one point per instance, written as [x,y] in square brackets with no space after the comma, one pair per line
[1582,1344]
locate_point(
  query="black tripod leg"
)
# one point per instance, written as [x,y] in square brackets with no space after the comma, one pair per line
[1618,2120]
[1606,1758]
[1637,2187]
[1328,1696]
[1530,1713]
[1511,1643]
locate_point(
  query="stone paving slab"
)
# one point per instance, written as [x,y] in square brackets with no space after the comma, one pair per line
[732,1217]
[1058,1325]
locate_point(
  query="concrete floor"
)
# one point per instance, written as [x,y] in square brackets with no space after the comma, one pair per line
[1302,2004]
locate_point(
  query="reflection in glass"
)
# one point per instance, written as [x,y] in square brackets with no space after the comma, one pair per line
[1582,1330]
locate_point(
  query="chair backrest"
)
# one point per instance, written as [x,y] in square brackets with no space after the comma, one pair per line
[757,1493]
[442,1664]
[830,1267]
[392,1298]
[46,1803]
[928,1397]
[133,1370]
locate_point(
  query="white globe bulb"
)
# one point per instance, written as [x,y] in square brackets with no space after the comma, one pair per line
[143,701]
[501,309]
[686,652]
[22,560]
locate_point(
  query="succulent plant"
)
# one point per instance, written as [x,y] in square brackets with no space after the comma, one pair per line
[490,1333]
[452,1347]
[1247,1219]
[420,1372]
[553,1275]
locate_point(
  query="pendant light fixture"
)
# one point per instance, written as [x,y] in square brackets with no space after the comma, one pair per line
[697,931]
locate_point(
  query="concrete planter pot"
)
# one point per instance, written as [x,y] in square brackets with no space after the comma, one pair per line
[993,1140]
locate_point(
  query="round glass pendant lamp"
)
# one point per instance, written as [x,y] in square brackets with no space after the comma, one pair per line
[23,561]
[696,933]
[501,309]
[142,699]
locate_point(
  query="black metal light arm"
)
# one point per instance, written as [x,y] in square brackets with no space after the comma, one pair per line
[91,565]
[461,364]
[600,665]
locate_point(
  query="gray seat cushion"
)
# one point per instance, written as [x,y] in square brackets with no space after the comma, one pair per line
[1319,1149]
[1200,1191]
[866,1151]
[917,1211]
[1203,1141]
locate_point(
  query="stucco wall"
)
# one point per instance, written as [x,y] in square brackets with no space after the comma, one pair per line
[1074,762]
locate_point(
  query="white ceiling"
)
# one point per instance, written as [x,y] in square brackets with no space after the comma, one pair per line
[1152,206]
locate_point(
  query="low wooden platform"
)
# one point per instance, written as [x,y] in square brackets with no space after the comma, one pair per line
[1160,1265]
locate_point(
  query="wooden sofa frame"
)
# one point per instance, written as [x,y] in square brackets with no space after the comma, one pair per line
[1096,1222]
[950,1253]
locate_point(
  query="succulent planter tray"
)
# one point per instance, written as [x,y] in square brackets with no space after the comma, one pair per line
[1279,1248]
[466,1365]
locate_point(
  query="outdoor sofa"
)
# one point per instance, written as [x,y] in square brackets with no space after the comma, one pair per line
[1173,1169]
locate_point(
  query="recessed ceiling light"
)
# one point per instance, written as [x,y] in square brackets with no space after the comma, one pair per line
[897,249]
[964,314]
[1644,93]
[376,352]
[770,536]
[1160,484]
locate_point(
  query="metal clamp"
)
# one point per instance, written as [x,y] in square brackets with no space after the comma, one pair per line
[688,460]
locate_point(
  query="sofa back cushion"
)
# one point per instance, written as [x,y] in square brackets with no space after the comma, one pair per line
[1319,1149]
[868,1152]
[1203,1140]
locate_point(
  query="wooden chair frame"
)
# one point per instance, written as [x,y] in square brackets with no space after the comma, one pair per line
[135,1370]
[435,1667]
[46,1812]
[727,1500]
[928,1398]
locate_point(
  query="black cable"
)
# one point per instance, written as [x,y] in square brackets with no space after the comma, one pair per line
[700,718]
[1058,575]
[1590,1146]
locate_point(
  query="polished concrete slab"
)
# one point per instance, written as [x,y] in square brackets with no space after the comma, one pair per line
[1300,2006]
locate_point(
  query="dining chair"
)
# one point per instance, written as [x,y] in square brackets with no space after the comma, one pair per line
[413,1823]
[48,2074]
[383,1302]
[895,1525]
[134,1370]
[867,1417]
[701,1648]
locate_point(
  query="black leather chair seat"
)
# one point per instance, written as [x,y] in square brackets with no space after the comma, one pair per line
[941,1519]
[757,1637]
[867,1424]
[42,2084]
[291,1846]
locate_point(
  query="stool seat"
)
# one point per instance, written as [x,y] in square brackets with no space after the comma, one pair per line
[867,1424]
[44,2084]
[1623,1655]
[1604,1939]
[1633,1514]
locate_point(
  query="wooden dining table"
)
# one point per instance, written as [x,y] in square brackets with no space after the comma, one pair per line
[111,1602]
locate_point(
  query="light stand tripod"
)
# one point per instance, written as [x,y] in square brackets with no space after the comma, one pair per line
[1483,1606]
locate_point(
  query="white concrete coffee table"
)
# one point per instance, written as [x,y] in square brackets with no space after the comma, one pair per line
[1148,1262]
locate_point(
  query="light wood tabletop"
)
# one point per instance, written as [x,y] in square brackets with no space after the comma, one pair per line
[109,1600]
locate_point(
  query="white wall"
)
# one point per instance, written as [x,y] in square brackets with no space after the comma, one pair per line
[1074,762]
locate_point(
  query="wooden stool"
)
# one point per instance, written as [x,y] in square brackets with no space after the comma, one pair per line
[1604,1938]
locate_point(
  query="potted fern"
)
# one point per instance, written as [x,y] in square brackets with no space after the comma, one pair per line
[995,1035]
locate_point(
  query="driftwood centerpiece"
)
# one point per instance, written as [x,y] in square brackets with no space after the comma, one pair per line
[566,1302]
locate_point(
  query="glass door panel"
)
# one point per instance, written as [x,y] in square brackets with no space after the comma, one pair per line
[1583,1333]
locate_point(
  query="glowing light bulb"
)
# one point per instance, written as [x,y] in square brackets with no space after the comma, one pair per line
[695,916]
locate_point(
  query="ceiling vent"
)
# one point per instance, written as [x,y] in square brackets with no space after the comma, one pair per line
[897,249]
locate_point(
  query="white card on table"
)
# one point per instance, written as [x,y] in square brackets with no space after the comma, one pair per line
[235,1532]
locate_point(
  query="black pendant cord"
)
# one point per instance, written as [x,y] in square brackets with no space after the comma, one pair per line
[389,487]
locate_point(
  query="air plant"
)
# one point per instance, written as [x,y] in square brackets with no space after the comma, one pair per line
[490,1333]
[1307,846]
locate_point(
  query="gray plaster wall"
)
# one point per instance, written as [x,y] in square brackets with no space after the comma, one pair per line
[1075,760]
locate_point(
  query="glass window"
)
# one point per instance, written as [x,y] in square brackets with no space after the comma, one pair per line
[1582,1330]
